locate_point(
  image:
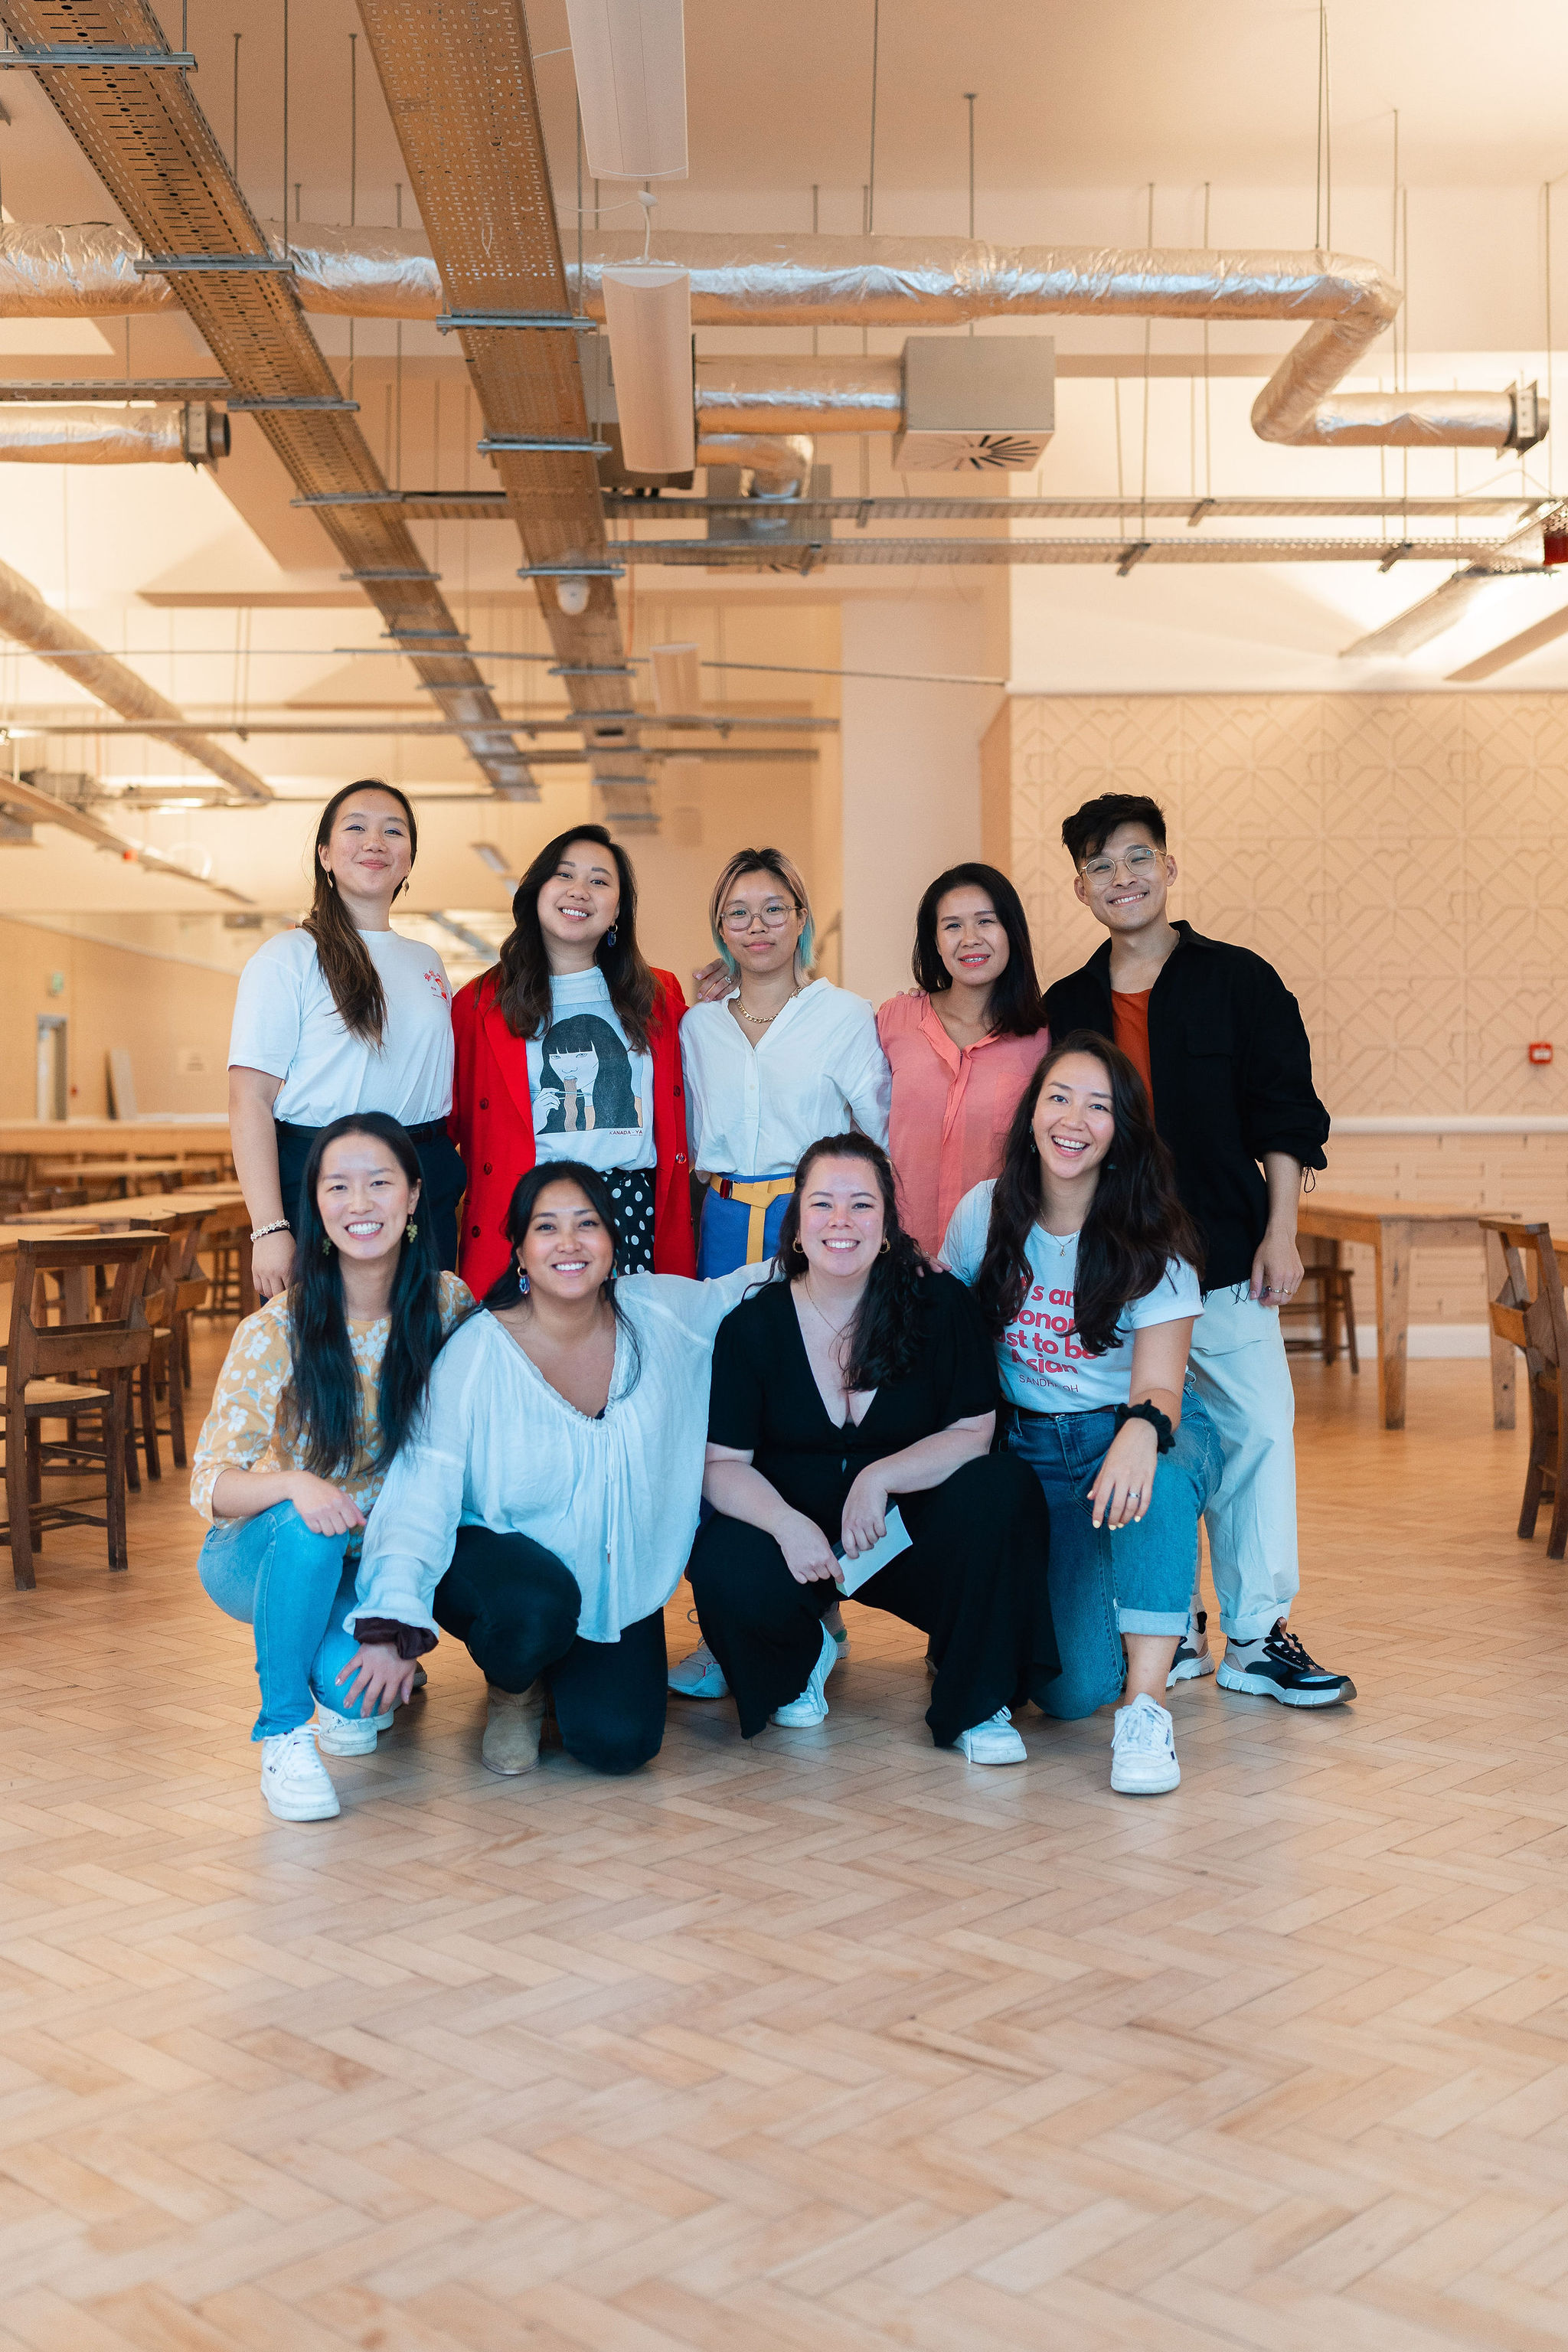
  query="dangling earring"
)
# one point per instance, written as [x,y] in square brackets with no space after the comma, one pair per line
[610,937]
[411,1230]
[1033,1145]
[521,1283]
[326,1245]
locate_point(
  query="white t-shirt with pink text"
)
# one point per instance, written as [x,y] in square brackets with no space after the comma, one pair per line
[1041,1364]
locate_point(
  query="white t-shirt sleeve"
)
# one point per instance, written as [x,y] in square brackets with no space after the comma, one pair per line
[268,1007]
[963,1245]
[1173,1297]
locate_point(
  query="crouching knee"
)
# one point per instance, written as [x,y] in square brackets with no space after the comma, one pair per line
[614,1747]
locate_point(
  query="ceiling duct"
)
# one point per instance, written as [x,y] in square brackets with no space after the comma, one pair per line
[30,621]
[629,57]
[1515,419]
[151,146]
[977,407]
[779,464]
[481,181]
[761,393]
[189,433]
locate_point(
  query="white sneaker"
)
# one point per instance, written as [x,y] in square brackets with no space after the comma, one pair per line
[1193,1657]
[1144,1750]
[349,1735]
[995,1741]
[811,1707]
[699,1676]
[294,1781]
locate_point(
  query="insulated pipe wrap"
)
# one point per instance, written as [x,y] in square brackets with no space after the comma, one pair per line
[92,436]
[789,394]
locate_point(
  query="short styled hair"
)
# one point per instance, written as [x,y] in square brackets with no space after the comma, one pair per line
[1087,831]
[785,873]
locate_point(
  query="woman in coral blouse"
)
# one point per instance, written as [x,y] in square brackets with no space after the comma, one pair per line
[962,1046]
[569,1048]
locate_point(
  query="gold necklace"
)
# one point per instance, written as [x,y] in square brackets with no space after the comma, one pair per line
[838,1329]
[763,1020]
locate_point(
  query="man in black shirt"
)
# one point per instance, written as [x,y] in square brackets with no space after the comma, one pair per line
[1220,1044]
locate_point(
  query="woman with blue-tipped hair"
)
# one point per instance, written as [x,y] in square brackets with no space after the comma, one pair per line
[773,1060]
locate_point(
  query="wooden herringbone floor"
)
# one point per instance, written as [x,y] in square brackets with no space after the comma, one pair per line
[828,2041]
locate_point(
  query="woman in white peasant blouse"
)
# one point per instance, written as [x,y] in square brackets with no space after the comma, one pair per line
[545,1511]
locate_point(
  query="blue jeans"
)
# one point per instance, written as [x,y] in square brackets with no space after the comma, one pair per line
[296,1589]
[1138,1580]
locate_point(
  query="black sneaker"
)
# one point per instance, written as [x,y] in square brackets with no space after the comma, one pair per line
[1277,1666]
[1193,1657]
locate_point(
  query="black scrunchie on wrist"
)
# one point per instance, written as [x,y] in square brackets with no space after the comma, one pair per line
[1164,1435]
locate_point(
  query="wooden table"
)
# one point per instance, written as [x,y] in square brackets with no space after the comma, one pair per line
[114,1137]
[226,1220]
[123,1173]
[1393,1231]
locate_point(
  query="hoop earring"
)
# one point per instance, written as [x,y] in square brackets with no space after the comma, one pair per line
[610,937]
[886,1249]
[796,1244]
[411,1230]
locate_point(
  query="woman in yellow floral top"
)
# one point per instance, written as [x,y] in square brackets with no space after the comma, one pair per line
[318,1391]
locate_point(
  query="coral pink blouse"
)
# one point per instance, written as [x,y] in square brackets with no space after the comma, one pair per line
[951,1108]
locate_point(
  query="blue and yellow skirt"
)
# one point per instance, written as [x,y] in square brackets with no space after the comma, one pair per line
[741,1221]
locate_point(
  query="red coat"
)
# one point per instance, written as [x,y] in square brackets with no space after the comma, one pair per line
[492,1126]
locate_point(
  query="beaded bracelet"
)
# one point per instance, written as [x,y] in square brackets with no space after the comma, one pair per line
[280,1226]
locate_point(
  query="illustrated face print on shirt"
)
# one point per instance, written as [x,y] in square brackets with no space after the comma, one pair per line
[585,1081]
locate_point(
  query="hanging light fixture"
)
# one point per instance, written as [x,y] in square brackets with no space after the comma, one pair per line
[629,57]
[648,312]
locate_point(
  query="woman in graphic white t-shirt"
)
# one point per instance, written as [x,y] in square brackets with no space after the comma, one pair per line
[342,1015]
[1084,1267]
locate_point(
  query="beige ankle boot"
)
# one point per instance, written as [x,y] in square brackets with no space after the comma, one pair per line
[512,1726]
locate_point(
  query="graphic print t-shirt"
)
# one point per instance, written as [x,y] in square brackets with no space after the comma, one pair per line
[591,1092]
[1038,1356]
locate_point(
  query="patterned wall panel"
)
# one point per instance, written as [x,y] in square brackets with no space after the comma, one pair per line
[1401,858]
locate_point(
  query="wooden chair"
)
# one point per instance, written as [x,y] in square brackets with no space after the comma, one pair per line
[1530,1311]
[1327,1292]
[75,1372]
[175,1287]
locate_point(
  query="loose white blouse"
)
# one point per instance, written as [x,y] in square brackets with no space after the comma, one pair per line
[817,1070]
[615,1497]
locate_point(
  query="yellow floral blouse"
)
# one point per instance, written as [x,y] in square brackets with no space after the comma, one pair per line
[241,1431]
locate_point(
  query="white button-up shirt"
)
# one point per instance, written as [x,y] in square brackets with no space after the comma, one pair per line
[819,1069]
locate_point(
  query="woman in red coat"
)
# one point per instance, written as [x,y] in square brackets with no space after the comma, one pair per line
[569,1049]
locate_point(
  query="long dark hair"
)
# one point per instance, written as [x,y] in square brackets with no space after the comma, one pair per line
[1135,1223]
[322,1404]
[1015,1010]
[505,1290]
[884,1336]
[522,987]
[341,951]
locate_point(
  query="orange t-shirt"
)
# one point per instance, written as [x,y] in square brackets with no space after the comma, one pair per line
[1129,1030]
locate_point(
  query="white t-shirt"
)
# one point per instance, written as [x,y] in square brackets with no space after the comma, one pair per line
[593,1093]
[286,1023]
[1040,1360]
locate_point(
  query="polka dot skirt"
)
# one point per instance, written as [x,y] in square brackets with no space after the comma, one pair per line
[631,1190]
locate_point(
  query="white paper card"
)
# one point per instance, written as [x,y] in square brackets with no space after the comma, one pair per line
[853,1573]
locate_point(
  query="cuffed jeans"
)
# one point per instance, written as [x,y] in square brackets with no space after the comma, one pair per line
[295,1588]
[1136,1580]
[1241,1371]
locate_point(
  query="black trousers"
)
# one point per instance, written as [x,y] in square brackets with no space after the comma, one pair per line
[516,1607]
[443,1177]
[973,1580]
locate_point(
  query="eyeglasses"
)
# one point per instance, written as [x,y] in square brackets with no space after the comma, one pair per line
[775,914]
[1140,863]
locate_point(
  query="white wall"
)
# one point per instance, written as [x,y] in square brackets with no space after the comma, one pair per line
[912,766]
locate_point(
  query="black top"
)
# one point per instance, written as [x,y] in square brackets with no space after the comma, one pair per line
[764,1398]
[1233,1079]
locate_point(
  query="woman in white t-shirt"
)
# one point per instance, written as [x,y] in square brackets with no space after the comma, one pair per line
[1084,1267]
[342,1015]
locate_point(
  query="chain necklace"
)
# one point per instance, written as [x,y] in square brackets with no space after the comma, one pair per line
[763,1020]
[838,1329]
